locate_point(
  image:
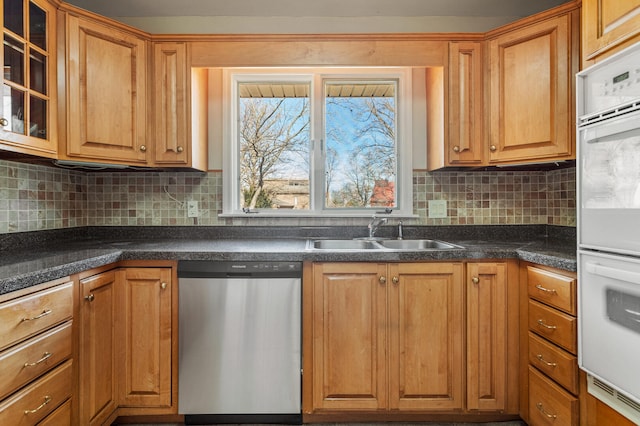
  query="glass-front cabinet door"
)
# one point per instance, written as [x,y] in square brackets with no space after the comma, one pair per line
[28,118]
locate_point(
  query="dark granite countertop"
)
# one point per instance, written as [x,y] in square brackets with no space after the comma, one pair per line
[33,258]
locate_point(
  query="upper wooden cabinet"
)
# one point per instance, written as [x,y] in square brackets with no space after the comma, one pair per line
[465,142]
[531,96]
[28,111]
[179,141]
[607,26]
[106,94]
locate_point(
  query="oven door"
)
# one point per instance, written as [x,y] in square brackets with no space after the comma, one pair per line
[609,320]
[609,184]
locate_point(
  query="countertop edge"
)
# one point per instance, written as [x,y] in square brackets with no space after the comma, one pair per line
[57,265]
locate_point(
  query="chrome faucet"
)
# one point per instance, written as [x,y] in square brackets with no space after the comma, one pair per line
[374,224]
[400,236]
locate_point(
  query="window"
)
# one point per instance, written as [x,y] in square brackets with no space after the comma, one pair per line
[322,142]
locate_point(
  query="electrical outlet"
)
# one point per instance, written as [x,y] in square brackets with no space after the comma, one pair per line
[192,209]
[437,209]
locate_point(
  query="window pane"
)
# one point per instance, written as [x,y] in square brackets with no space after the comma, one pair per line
[13,106]
[14,16]
[274,145]
[38,71]
[37,26]
[38,122]
[360,134]
[13,60]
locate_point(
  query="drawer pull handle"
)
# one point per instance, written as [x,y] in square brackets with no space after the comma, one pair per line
[543,411]
[47,399]
[542,360]
[43,314]
[90,297]
[547,326]
[45,356]
[546,290]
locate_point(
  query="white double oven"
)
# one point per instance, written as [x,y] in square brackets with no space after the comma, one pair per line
[608,172]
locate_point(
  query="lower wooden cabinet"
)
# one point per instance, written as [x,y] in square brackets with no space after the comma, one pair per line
[551,395]
[97,357]
[145,331]
[390,338]
[549,404]
[36,355]
[492,337]
[128,343]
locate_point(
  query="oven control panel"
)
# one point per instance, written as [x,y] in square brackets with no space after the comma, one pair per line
[608,84]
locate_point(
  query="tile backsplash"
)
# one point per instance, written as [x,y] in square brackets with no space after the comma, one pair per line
[35,197]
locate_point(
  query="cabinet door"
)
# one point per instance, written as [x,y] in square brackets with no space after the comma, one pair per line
[28,111]
[531,79]
[487,336]
[349,343]
[170,89]
[146,315]
[426,336]
[607,24]
[106,112]
[466,141]
[97,393]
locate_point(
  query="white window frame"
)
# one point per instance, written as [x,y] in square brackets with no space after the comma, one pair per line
[231,77]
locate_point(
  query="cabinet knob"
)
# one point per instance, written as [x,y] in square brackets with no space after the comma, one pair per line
[143,148]
[456,148]
[382,279]
[493,148]
[163,285]
[90,297]
[475,280]
[180,149]
[4,122]
[395,280]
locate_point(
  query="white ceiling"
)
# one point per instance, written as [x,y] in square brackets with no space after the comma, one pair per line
[304,16]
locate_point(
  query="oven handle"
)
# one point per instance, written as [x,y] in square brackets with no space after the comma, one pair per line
[611,127]
[616,274]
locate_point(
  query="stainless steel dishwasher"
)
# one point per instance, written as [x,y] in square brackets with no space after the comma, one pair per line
[240,342]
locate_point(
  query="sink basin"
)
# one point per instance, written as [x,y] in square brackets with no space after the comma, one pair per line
[385,245]
[418,245]
[344,245]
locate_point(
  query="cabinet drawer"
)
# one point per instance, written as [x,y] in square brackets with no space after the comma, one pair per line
[23,363]
[33,313]
[36,401]
[553,289]
[559,365]
[554,325]
[549,404]
[60,417]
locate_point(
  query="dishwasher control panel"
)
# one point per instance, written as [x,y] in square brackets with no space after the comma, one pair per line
[214,269]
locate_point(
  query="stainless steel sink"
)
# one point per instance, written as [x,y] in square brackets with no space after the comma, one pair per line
[418,245]
[383,245]
[343,245]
